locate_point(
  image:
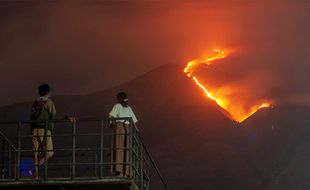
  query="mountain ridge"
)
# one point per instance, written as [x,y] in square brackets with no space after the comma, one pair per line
[195,144]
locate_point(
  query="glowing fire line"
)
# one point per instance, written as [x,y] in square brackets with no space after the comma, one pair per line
[207,92]
[218,54]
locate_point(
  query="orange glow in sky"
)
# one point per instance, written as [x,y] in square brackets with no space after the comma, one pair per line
[237,112]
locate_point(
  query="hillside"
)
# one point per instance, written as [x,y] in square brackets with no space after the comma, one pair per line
[281,144]
[195,145]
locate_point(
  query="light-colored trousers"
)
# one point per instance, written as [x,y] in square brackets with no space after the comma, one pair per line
[38,141]
[120,149]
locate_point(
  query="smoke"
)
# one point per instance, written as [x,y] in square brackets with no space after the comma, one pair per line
[268,58]
[85,46]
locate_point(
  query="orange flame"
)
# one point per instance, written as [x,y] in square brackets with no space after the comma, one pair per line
[236,114]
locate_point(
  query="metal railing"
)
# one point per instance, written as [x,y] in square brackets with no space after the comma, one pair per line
[8,156]
[84,150]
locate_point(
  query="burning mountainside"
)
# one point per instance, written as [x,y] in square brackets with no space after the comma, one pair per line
[224,96]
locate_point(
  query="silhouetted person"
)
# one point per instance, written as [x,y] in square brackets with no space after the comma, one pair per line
[43,110]
[120,156]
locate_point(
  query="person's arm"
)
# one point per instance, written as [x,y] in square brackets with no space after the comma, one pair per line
[51,107]
[133,116]
[55,115]
[134,119]
[114,113]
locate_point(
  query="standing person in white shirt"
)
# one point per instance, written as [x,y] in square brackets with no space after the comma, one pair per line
[120,142]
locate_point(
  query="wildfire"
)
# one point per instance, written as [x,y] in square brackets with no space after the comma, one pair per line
[237,113]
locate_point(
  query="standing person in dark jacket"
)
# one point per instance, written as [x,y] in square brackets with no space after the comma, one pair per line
[43,110]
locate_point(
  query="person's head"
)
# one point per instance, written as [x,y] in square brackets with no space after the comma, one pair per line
[122,98]
[44,90]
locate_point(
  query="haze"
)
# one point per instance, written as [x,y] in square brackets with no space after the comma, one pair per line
[86,46]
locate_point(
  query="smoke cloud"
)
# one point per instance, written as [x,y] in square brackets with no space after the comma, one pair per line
[84,46]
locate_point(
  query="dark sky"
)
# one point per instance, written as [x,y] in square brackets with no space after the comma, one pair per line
[85,46]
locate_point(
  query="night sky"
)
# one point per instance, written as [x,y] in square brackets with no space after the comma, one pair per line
[86,46]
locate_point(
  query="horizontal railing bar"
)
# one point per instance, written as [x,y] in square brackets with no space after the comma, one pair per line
[66,121]
[85,163]
[70,149]
[81,163]
[70,135]
[62,179]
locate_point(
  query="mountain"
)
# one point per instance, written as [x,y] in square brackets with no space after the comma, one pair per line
[194,144]
[281,146]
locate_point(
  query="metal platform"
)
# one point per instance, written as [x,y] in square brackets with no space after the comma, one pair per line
[80,184]
[83,158]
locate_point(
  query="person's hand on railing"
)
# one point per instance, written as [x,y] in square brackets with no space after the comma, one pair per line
[112,122]
[112,125]
[71,119]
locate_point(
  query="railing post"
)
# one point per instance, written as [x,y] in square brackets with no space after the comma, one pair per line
[141,166]
[9,157]
[17,169]
[101,149]
[130,149]
[3,159]
[45,151]
[136,154]
[73,150]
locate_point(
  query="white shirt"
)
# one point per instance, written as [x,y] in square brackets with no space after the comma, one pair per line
[120,111]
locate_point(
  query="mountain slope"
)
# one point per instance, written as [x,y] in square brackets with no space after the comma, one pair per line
[280,147]
[195,145]
[189,135]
